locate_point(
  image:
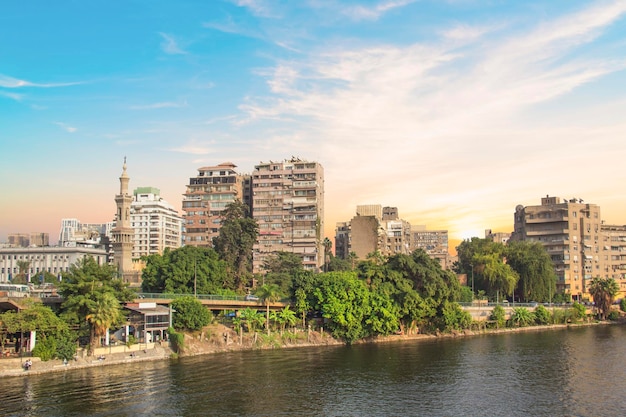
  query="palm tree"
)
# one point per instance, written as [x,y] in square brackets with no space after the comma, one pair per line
[269,293]
[105,312]
[603,292]
[287,317]
[22,274]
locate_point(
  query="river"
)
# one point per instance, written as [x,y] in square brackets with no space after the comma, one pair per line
[566,372]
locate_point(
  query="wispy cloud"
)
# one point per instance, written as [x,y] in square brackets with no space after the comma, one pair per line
[418,109]
[10,82]
[375,12]
[170,46]
[192,149]
[13,96]
[66,127]
[159,105]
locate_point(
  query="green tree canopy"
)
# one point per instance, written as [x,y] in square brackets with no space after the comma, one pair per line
[532,263]
[186,270]
[189,314]
[85,287]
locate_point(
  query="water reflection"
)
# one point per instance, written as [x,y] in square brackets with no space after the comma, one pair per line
[547,373]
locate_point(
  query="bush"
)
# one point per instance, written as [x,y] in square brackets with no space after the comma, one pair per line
[498,315]
[45,349]
[613,315]
[579,311]
[190,314]
[542,315]
[177,340]
[521,317]
[622,304]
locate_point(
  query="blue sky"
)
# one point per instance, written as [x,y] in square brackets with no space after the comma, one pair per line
[453,111]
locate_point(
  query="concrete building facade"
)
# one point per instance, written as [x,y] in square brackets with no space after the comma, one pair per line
[156,223]
[433,242]
[571,232]
[52,259]
[207,195]
[374,228]
[288,205]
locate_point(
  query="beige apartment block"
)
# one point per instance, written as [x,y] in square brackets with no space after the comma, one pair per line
[571,232]
[206,197]
[288,205]
[614,247]
[433,242]
[374,229]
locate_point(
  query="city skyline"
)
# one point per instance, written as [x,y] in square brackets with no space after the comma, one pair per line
[454,112]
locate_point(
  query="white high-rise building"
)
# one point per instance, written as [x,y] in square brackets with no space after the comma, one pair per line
[156,223]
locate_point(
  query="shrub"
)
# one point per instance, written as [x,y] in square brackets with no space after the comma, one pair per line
[498,315]
[521,317]
[177,340]
[542,315]
[45,349]
[579,311]
[622,304]
[613,315]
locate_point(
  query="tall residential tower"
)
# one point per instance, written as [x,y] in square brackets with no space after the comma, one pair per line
[288,205]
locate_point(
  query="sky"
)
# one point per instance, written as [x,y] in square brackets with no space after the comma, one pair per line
[452,111]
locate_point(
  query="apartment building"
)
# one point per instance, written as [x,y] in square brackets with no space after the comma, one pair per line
[614,247]
[75,233]
[571,232]
[156,223]
[288,205]
[207,195]
[374,228]
[25,240]
[433,242]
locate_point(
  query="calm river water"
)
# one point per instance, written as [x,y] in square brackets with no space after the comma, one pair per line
[575,372]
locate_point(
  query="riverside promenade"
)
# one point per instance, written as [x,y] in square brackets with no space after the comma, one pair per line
[110,356]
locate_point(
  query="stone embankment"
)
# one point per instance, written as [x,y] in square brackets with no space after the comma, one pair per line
[218,338]
[101,357]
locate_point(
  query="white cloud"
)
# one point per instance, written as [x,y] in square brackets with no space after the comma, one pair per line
[170,46]
[416,120]
[11,82]
[66,127]
[373,13]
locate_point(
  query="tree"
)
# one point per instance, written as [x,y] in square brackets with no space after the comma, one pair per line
[186,270]
[286,316]
[105,313]
[84,288]
[328,245]
[281,267]
[343,300]
[251,318]
[531,261]
[603,291]
[189,314]
[235,242]
[268,293]
[23,276]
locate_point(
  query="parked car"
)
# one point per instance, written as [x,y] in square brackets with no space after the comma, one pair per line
[251,297]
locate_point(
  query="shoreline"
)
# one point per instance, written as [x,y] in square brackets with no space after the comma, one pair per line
[13,367]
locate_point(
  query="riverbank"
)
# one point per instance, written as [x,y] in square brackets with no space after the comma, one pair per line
[218,338]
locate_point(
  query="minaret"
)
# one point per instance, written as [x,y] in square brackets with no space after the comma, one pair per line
[123,232]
